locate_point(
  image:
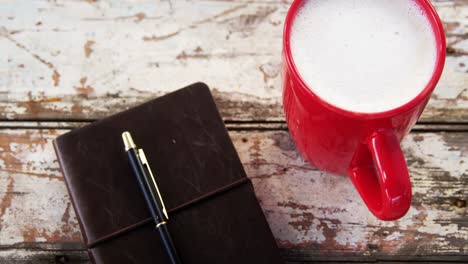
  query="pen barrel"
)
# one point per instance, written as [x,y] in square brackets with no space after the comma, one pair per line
[152,201]
[154,205]
[168,244]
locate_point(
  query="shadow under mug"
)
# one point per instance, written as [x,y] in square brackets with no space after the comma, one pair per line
[365,146]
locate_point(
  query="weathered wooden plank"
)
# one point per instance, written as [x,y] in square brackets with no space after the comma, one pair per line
[26,256]
[30,256]
[31,182]
[87,59]
[313,215]
[73,253]
[79,257]
[316,212]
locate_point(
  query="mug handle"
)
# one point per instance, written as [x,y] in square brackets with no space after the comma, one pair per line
[380,174]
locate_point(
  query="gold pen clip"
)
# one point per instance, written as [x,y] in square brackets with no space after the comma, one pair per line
[144,161]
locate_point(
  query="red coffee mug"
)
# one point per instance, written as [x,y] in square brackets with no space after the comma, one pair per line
[364,146]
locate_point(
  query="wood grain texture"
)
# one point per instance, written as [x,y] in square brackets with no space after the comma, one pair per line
[88,59]
[66,63]
[313,215]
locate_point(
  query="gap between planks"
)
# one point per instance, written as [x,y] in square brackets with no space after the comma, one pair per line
[232,125]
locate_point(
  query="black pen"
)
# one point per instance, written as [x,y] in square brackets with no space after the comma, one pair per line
[152,195]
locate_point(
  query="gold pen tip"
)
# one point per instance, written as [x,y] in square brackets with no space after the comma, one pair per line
[128,140]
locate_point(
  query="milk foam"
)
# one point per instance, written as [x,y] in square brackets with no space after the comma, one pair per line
[363,55]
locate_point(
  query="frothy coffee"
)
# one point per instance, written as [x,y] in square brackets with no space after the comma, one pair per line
[363,55]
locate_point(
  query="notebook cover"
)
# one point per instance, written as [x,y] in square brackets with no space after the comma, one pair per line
[191,155]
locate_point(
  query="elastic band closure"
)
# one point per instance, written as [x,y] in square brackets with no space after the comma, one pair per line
[148,220]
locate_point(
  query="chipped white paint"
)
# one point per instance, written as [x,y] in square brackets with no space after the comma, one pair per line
[13,147]
[432,227]
[39,207]
[86,59]
[452,92]
[448,158]
[33,157]
[301,203]
[212,37]
[394,236]
[22,222]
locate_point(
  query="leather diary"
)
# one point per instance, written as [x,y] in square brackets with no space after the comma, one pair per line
[214,216]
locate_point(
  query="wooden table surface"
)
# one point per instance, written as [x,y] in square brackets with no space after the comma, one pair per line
[64,64]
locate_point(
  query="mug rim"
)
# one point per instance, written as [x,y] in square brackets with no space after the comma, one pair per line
[439,35]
